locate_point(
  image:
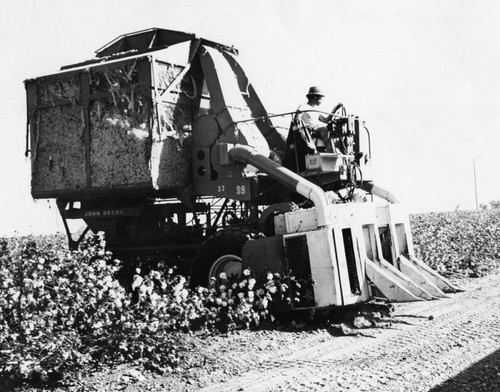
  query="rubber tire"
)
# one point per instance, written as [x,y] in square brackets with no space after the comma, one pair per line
[225,242]
[266,220]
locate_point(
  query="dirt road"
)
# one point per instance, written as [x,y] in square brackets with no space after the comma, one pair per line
[427,344]
[455,341]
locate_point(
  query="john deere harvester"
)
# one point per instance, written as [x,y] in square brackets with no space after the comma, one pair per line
[161,142]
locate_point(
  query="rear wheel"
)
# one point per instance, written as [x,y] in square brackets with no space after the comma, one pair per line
[229,264]
[266,220]
[221,253]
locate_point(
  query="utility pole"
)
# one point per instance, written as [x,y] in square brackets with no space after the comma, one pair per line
[475,182]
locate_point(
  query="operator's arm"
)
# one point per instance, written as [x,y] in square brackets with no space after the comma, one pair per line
[324,118]
[327,119]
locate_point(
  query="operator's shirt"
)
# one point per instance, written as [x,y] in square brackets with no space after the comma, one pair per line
[310,119]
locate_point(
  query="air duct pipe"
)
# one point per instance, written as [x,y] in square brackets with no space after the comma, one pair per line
[288,178]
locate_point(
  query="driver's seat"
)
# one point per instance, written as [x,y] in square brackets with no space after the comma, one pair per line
[299,143]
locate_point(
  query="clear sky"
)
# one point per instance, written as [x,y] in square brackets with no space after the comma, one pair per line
[424,75]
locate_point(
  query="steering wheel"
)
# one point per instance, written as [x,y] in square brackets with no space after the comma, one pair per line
[337,128]
[338,107]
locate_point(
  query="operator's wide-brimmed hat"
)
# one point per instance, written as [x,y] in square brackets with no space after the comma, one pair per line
[315,90]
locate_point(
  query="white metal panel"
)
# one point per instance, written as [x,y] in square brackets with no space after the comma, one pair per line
[383,218]
[352,214]
[301,220]
[392,215]
[324,268]
[327,162]
[343,216]
[279,225]
[341,265]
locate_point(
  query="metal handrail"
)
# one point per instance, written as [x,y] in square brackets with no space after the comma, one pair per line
[286,114]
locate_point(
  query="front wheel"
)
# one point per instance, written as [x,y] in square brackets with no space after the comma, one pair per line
[221,253]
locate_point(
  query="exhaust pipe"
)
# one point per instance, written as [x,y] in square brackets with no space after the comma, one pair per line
[247,154]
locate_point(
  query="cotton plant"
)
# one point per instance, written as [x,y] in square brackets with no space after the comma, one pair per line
[61,310]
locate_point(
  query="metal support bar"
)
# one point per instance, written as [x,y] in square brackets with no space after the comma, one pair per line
[287,114]
[217,100]
[219,214]
[176,81]
[72,244]
[31,103]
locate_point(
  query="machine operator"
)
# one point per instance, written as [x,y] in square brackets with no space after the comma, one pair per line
[313,119]
[311,138]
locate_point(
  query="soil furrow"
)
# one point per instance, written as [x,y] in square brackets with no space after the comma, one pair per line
[414,357]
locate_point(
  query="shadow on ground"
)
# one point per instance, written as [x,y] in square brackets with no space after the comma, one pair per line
[349,320]
[484,375]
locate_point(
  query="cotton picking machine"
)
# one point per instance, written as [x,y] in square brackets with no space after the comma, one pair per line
[161,142]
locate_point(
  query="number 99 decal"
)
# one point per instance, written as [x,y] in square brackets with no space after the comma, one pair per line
[240,189]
